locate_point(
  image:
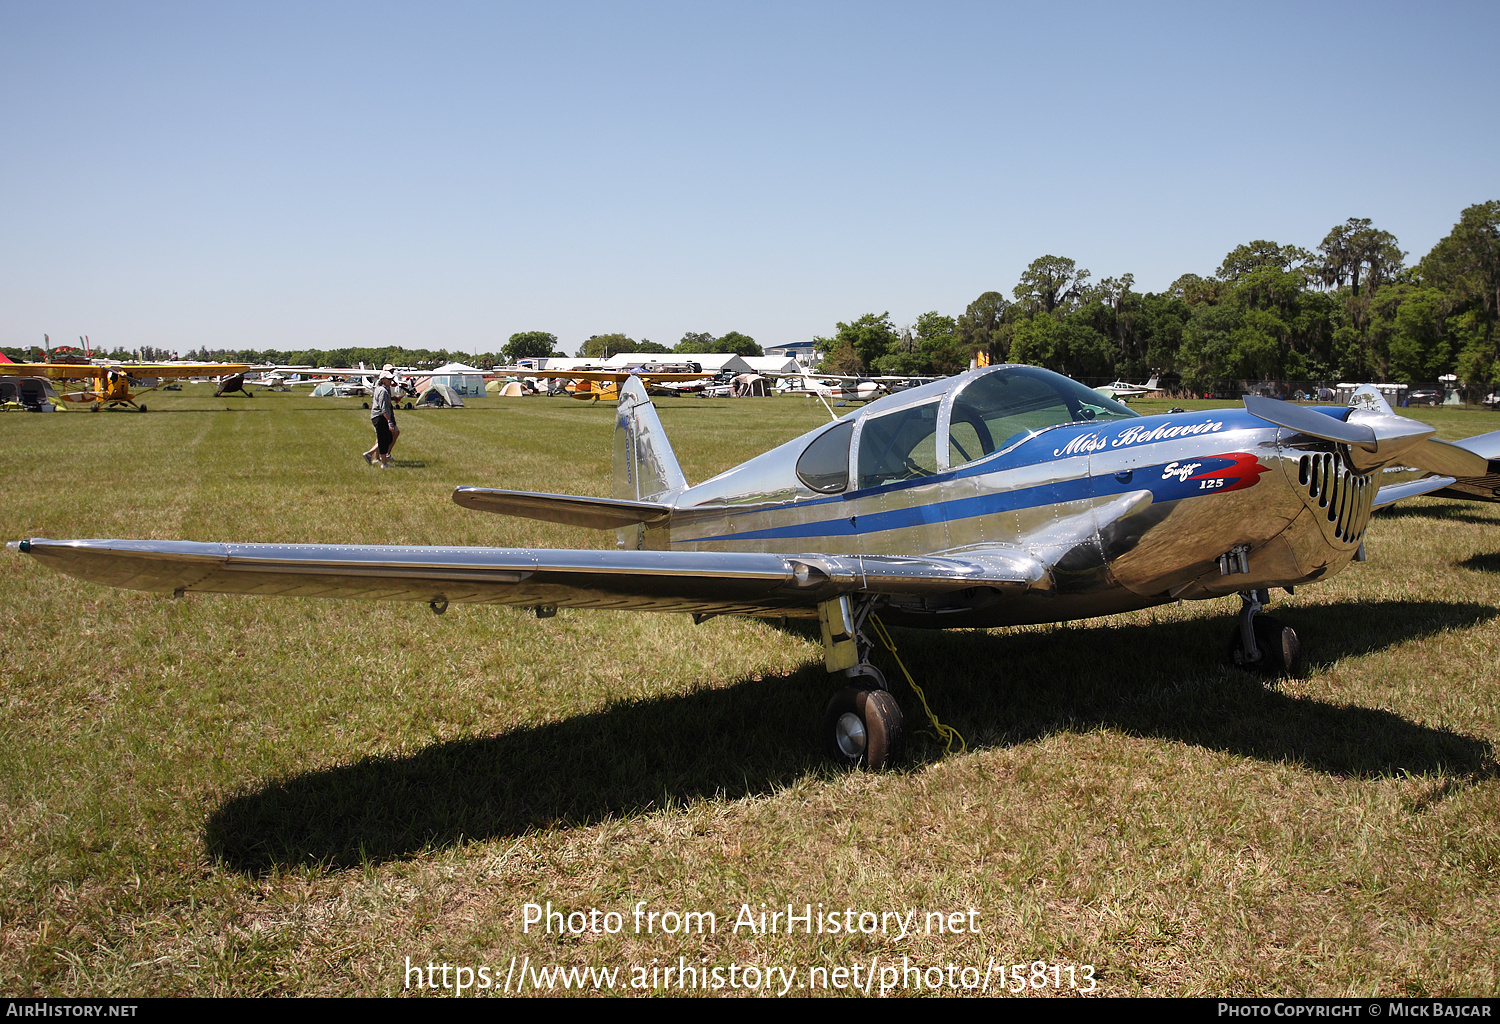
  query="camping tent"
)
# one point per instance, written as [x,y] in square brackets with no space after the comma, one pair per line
[439,396]
[747,385]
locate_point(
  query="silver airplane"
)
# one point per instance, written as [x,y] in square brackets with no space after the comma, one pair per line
[1002,496]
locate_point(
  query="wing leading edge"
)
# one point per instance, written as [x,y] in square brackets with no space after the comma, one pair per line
[676,581]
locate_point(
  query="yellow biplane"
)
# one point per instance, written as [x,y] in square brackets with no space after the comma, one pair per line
[109,385]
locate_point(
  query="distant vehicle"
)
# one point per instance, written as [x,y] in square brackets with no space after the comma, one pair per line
[1425,396]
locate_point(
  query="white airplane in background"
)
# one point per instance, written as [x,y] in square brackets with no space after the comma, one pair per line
[841,387]
[1124,391]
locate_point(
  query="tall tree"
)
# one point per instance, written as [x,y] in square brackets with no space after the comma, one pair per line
[1467,261]
[1466,266]
[933,348]
[602,346]
[694,342]
[979,326]
[1355,249]
[870,337]
[739,344]
[529,345]
[1252,256]
[1048,283]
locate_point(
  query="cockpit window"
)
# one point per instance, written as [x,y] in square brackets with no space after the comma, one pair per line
[999,408]
[824,465]
[900,445]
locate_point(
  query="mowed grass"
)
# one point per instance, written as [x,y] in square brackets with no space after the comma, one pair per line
[215,795]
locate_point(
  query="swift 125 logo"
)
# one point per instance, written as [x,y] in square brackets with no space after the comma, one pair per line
[1232,471]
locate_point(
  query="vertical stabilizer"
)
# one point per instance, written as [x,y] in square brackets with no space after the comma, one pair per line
[645,466]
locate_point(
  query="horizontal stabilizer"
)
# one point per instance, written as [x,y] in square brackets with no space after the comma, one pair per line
[1446,458]
[1485,445]
[569,509]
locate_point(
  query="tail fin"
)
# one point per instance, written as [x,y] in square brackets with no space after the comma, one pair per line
[645,466]
[646,469]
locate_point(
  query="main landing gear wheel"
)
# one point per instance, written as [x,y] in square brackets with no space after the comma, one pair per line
[863,728]
[1278,649]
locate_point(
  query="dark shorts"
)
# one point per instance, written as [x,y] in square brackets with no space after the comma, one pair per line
[383,437]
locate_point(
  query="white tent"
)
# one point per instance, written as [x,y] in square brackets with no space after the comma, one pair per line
[464,379]
[712,362]
[773,364]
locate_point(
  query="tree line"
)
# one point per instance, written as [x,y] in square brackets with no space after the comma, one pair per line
[1350,309]
[522,345]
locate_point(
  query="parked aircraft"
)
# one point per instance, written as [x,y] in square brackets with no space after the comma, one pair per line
[1124,391]
[1002,496]
[604,385]
[110,384]
[844,387]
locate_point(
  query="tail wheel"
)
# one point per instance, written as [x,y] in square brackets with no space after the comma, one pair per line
[1280,650]
[863,728]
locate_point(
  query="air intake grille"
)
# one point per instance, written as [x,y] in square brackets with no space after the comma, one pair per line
[1344,496]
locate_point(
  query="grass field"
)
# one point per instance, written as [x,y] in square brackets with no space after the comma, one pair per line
[240,796]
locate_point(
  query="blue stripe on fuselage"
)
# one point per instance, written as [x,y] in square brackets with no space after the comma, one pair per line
[1039,449]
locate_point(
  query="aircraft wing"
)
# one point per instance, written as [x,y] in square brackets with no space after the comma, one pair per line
[677,581]
[618,376]
[78,371]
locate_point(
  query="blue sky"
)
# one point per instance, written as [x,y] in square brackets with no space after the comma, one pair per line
[443,175]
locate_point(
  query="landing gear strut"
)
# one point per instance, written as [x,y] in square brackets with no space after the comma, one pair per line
[862,727]
[1263,644]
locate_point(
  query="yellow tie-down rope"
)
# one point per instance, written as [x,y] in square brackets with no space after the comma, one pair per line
[946,733]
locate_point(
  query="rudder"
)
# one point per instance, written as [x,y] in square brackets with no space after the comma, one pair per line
[645,467]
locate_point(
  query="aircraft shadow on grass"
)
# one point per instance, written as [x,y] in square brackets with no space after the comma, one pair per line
[1482,563]
[1452,513]
[755,737]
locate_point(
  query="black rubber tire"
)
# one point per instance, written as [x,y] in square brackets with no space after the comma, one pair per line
[879,718]
[1280,650]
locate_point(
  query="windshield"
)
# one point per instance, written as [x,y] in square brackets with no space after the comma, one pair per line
[1004,406]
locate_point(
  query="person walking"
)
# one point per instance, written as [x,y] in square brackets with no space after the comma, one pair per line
[383,418]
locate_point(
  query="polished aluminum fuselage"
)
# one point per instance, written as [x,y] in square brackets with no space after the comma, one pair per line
[1123,514]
